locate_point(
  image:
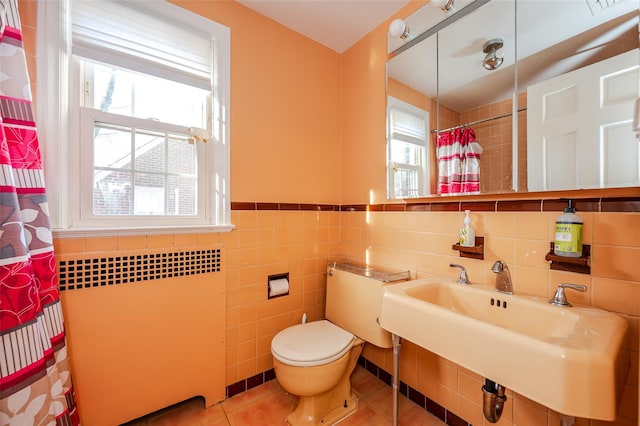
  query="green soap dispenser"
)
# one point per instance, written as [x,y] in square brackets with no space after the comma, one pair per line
[568,240]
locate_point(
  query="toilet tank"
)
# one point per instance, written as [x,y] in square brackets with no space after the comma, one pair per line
[354,299]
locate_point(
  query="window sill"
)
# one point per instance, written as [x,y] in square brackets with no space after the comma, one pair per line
[152,230]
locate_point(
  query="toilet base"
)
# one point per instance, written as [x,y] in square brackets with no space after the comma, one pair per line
[329,407]
[347,408]
[312,410]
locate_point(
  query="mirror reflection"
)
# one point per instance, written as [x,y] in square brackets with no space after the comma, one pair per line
[470,91]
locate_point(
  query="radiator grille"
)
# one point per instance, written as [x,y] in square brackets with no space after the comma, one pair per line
[124,269]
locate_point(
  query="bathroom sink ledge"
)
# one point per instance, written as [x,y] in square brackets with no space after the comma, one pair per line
[568,359]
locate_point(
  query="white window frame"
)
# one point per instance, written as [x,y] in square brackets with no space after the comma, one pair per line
[422,170]
[91,116]
[58,109]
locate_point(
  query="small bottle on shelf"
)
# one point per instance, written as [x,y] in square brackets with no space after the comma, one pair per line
[467,234]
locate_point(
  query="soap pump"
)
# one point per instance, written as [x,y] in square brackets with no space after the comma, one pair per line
[568,239]
[467,234]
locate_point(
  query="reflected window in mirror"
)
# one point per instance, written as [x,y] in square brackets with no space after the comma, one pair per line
[408,150]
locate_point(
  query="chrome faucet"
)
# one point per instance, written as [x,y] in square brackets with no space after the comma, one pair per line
[463,278]
[503,279]
[560,299]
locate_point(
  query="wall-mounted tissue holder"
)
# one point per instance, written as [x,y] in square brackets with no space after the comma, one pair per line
[277,285]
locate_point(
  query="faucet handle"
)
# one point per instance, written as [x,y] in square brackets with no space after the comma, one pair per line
[560,299]
[463,278]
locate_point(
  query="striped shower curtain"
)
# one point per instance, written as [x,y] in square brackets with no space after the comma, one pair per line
[35,382]
[458,154]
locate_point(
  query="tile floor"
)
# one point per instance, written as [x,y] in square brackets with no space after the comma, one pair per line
[268,404]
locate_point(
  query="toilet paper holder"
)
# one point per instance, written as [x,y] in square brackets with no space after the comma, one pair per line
[277,285]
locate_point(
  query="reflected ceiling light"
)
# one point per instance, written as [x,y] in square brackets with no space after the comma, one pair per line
[492,61]
[398,28]
[445,5]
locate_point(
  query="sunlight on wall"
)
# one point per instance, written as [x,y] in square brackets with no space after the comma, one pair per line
[368,214]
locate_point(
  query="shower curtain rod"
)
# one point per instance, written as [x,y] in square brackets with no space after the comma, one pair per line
[476,122]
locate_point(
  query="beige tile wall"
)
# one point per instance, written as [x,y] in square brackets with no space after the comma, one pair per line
[299,242]
[265,243]
[495,137]
[421,242]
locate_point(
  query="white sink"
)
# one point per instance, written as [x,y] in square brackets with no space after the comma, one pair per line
[566,358]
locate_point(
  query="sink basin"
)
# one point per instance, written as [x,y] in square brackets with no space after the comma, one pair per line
[566,358]
[521,315]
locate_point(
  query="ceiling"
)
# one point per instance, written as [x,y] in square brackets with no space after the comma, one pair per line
[336,24]
[339,24]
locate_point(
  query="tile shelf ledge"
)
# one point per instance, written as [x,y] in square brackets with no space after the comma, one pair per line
[539,195]
[474,252]
[581,265]
[616,200]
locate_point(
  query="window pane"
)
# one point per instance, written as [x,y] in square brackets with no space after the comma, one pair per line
[183,156]
[109,96]
[157,178]
[406,153]
[112,193]
[406,183]
[182,195]
[112,147]
[120,91]
[150,152]
[149,194]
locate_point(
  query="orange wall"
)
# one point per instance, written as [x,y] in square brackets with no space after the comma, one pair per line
[29,16]
[364,111]
[334,152]
[285,109]
[421,241]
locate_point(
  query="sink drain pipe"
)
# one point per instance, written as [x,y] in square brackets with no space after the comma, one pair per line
[395,380]
[493,399]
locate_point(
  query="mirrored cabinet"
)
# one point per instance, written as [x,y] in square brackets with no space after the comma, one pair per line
[512,96]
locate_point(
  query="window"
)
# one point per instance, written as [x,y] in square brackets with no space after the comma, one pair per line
[144,87]
[408,155]
[143,162]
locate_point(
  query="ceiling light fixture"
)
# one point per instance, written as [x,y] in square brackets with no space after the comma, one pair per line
[398,28]
[492,61]
[445,5]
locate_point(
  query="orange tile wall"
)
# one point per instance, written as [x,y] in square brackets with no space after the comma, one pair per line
[336,155]
[495,137]
[421,242]
[266,243]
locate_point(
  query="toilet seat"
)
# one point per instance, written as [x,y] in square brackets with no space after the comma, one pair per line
[311,344]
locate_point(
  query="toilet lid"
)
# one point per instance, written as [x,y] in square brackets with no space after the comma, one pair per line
[313,343]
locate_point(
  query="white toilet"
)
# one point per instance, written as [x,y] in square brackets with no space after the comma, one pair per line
[315,360]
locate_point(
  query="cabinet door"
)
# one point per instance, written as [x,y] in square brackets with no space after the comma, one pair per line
[579,131]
